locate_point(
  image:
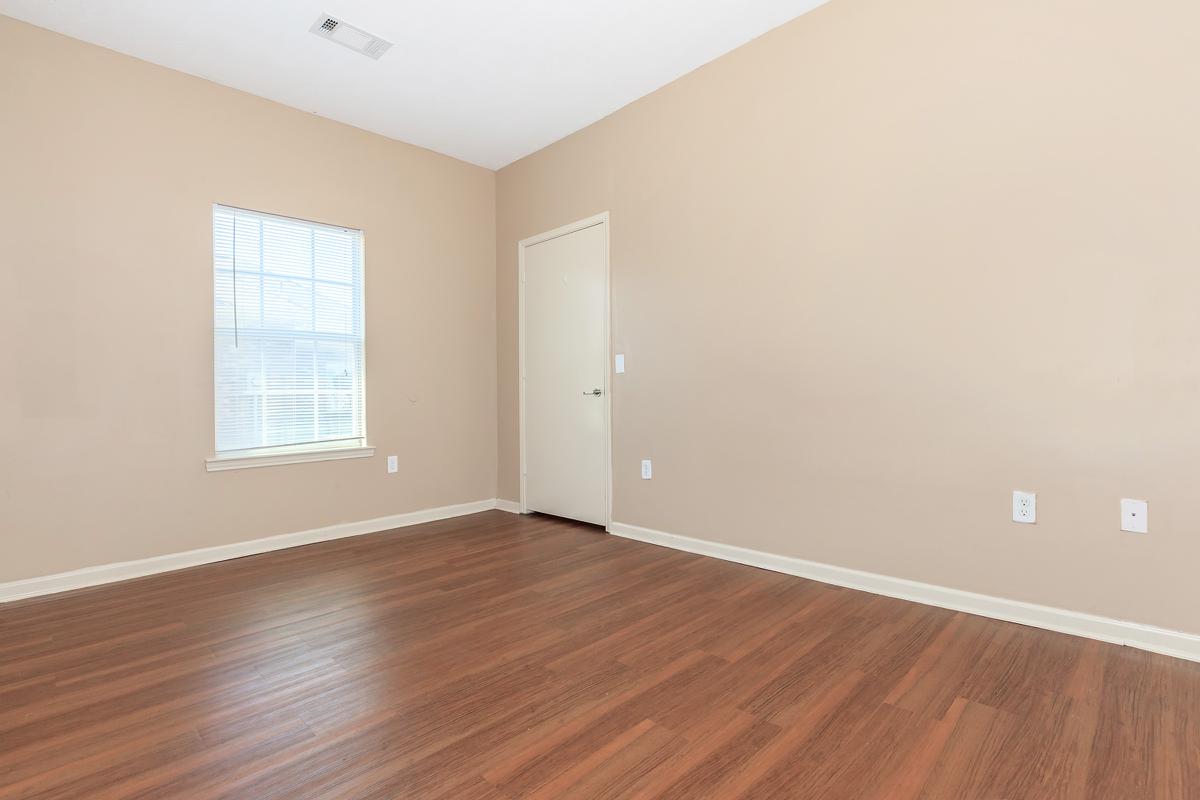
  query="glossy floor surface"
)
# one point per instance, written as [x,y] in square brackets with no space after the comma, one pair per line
[498,657]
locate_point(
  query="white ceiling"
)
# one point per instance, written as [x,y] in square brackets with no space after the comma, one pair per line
[486,81]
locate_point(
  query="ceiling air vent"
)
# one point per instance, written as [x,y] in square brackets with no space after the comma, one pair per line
[356,39]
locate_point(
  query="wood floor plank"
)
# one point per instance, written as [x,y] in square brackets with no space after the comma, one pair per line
[501,657]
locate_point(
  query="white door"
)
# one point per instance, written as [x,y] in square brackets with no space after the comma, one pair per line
[565,365]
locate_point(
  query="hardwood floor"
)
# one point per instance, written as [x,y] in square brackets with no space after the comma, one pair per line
[495,657]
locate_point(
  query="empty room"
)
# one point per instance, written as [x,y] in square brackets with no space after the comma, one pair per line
[651,400]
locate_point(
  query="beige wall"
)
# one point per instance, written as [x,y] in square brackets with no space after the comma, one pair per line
[108,173]
[871,272]
[884,265]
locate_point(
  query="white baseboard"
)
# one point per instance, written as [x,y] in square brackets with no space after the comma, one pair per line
[1132,634]
[511,506]
[108,573]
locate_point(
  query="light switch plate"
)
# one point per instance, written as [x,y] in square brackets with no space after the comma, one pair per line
[393,464]
[1025,507]
[1135,516]
[619,365]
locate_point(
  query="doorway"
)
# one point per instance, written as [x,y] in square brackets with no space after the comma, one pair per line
[565,384]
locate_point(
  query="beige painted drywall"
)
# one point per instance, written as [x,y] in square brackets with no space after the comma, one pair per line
[891,261]
[109,170]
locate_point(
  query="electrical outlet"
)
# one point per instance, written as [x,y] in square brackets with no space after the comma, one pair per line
[647,471]
[393,464]
[1135,516]
[1025,507]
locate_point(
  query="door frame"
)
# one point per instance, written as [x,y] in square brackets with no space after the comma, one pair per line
[589,222]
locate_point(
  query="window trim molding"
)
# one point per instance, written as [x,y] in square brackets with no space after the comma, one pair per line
[273,456]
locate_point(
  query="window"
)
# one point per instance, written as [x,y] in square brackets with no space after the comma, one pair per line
[288,337]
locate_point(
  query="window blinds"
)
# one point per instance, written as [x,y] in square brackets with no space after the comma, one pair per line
[288,325]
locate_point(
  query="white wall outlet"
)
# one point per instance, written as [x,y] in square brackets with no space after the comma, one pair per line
[647,471]
[1025,507]
[393,464]
[619,363]
[1135,516]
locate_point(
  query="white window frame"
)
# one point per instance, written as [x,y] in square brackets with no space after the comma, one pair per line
[300,453]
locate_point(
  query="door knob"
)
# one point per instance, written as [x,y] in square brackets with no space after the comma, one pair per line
[594,393]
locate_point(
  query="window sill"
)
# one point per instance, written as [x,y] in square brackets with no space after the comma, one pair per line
[246,461]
